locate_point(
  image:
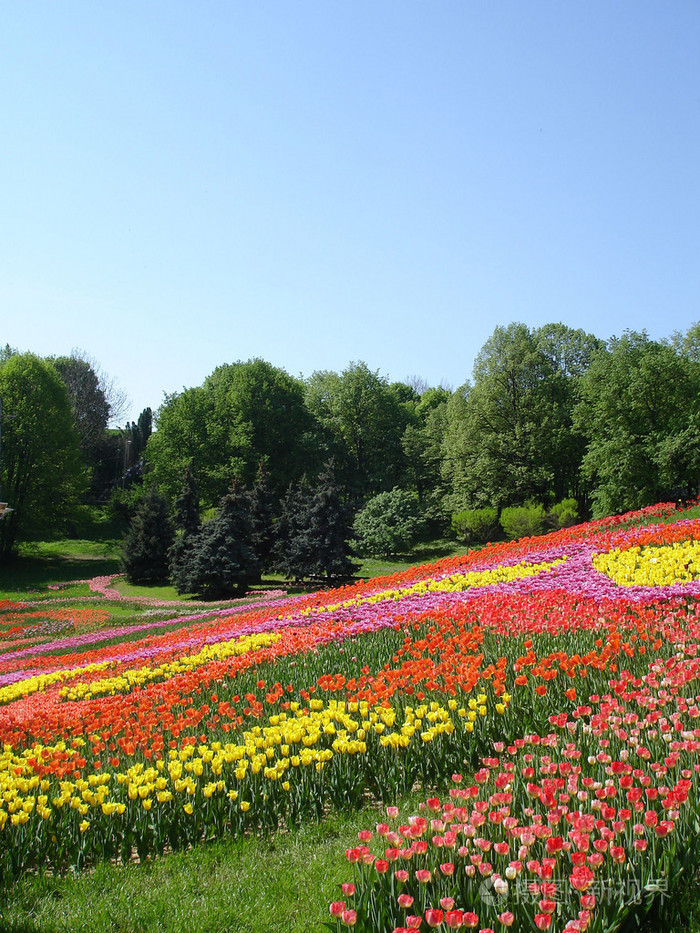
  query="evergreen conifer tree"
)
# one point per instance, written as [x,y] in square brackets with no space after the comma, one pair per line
[329,524]
[262,517]
[148,541]
[292,552]
[187,520]
[313,532]
[223,561]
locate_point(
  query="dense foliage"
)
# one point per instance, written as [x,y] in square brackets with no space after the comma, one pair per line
[550,414]
[41,474]
[222,561]
[149,540]
[312,535]
[188,525]
[389,524]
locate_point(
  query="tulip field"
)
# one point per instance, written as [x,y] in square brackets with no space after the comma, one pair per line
[543,693]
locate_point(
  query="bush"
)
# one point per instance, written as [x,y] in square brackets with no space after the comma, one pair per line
[389,524]
[475,525]
[563,514]
[523,521]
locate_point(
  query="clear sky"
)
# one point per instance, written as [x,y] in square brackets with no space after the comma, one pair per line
[186,184]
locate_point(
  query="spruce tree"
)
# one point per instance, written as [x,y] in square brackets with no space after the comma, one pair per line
[329,524]
[293,552]
[223,561]
[262,517]
[148,541]
[313,532]
[187,520]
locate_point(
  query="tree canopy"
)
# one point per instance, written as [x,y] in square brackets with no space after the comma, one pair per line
[639,409]
[41,473]
[549,415]
[362,419]
[243,414]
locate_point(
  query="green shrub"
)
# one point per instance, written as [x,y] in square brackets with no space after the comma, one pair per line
[389,524]
[475,525]
[563,514]
[523,521]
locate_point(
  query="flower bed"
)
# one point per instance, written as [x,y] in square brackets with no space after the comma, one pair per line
[561,671]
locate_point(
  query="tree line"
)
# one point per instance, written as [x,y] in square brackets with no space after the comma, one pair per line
[305,536]
[550,416]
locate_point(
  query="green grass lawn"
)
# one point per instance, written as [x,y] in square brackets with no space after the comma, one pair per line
[36,573]
[282,884]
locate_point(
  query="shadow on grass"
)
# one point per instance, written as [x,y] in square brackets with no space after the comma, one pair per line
[34,573]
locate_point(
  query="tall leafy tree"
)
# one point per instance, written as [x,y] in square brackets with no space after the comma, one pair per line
[91,409]
[41,472]
[363,419]
[498,439]
[96,401]
[687,344]
[422,444]
[639,398]
[510,435]
[570,352]
[270,404]
[244,413]
[191,432]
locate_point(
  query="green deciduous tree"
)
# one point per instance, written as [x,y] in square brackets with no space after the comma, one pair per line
[91,410]
[191,433]
[243,414]
[510,435]
[389,524]
[422,444]
[41,473]
[363,419]
[639,412]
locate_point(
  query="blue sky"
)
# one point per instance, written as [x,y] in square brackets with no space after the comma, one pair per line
[189,184]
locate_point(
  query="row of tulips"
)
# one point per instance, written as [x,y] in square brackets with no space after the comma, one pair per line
[266,715]
[570,831]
